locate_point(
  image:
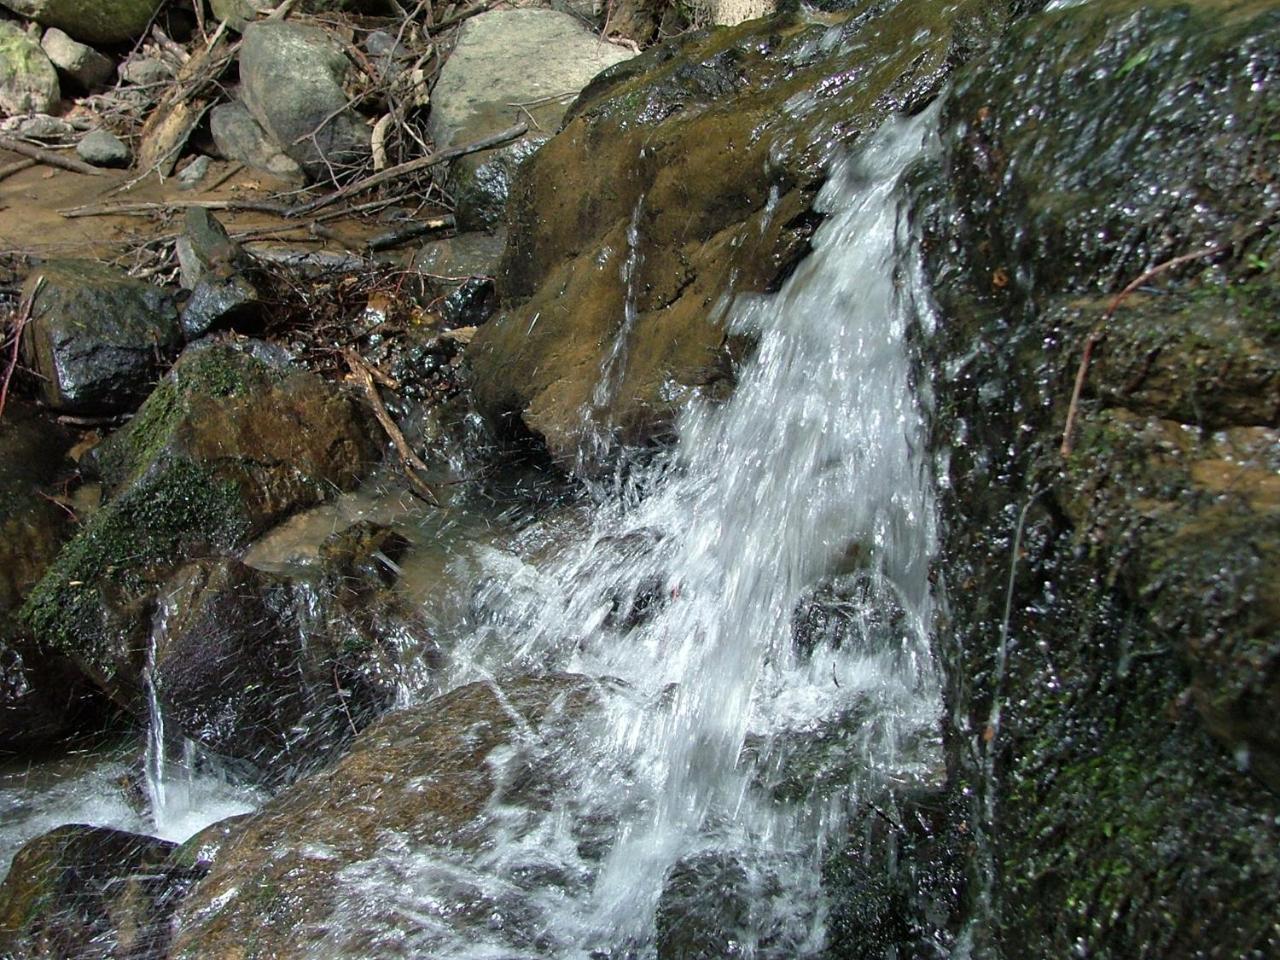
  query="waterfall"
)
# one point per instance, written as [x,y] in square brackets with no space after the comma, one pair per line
[728,753]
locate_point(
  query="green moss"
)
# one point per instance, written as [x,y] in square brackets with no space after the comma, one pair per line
[126,547]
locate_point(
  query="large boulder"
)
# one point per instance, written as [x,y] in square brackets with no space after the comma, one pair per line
[1113,662]
[436,775]
[692,171]
[92,893]
[291,80]
[231,441]
[90,21]
[97,338]
[508,66]
[28,81]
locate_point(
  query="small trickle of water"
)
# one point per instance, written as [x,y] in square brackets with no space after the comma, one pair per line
[729,751]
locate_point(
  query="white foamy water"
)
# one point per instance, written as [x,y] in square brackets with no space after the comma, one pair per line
[721,770]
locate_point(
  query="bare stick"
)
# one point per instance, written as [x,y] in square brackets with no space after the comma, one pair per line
[394,238]
[20,321]
[48,157]
[9,169]
[458,17]
[412,166]
[412,463]
[143,208]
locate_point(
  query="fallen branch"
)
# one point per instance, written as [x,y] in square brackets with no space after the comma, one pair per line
[393,238]
[20,320]
[1099,331]
[457,18]
[49,158]
[143,208]
[410,461]
[9,169]
[412,166]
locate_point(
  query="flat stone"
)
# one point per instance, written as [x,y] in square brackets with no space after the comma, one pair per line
[146,72]
[104,149]
[78,61]
[40,126]
[28,81]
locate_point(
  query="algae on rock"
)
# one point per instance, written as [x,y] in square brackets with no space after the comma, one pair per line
[1113,716]
[225,446]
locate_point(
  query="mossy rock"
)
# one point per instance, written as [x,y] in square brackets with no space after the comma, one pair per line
[683,178]
[91,892]
[225,446]
[1114,646]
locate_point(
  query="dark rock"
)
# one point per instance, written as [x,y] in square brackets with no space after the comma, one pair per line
[276,672]
[98,338]
[1120,714]
[90,21]
[468,262]
[225,446]
[689,176]
[41,694]
[423,775]
[706,901]
[239,137]
[103,149]
[28,81]
[292,83]
[92,893]
[859,610]
[82,64]
[218,304]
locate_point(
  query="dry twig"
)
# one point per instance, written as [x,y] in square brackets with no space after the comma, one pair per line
[413,465]
[48,157]
[20,320]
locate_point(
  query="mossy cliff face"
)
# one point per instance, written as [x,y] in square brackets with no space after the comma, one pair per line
[225,446]
[1116,724]
[682,178]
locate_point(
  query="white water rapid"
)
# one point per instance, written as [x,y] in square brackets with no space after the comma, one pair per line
[729,753]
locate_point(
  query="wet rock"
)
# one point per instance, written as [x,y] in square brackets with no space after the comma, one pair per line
[225,446]
[1136,667]
[104,149]
[219,303]
[28,81]
[418,777]
[292,83]
[705,902]
[895,885]
[80,63]
[89,21]
[679,176]
[469,261]
[858,610]
[92,893]
[239,137]
[43,697]
[488,71]
[97,338]
[277,672]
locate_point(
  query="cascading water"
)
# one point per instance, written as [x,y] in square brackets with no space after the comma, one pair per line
[728,751]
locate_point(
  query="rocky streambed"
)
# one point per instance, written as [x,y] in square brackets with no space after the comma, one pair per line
[822,503]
